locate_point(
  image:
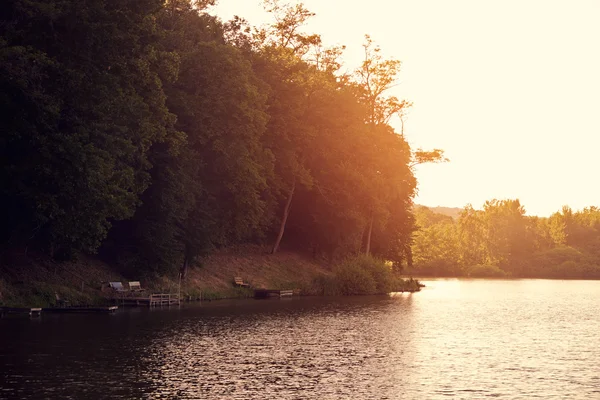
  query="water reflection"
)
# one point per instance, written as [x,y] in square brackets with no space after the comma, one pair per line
[515,339]
[327,349]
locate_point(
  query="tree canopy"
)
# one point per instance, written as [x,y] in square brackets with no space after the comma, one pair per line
[153,132]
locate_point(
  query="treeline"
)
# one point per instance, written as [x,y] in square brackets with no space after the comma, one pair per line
[500,240]
[152,132]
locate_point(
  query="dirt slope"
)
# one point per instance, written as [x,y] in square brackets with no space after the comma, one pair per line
[29,281]
[284,270]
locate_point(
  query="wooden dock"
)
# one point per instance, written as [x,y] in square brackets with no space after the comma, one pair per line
[163,299]
[153,300]
[267,293]
[31,311]
[81,310]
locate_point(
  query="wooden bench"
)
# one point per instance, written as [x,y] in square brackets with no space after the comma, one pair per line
[240,282]
[135,286]
[117,287]
[60,302]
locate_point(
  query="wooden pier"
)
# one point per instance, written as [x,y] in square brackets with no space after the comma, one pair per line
[162,299]
[81,310]
[31,311]
[267,293]
[154,300]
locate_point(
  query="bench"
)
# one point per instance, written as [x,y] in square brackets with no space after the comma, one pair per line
[135,286]
[240,282]
[60,302]
[117,287]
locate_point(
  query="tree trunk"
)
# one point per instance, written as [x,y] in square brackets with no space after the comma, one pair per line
[184,267]
[368,250]
[286,212]
[409,257]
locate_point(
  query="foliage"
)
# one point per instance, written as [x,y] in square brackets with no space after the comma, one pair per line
[501,240]
[367,275]
[83,103]
[155,132]
[435,245]
[484,271]
[352,278]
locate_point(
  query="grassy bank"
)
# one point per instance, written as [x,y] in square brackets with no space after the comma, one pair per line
[30,281]
[212,277]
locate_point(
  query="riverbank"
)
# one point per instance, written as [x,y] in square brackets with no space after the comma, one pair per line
[31,281]
[572,271]
[35,281]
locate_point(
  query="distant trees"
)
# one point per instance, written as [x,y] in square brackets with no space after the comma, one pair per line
[435,242]
[153,132]
[500,237]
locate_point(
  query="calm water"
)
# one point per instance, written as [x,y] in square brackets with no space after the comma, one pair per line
[462,339]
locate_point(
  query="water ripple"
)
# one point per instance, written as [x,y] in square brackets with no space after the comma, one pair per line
[457,339]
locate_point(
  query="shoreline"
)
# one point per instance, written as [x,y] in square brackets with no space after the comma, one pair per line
[30,281]
[499,278]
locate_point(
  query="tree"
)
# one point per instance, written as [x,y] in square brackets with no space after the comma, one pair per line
[471,230]
[285,32]
[293,82]
[208,181]
[80,81]
[507,236]
[435,243]
[374,77]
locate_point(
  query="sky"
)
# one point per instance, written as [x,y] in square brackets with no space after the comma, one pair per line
[509,89]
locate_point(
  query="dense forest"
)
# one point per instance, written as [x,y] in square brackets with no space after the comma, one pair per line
[150,132]
[500,240]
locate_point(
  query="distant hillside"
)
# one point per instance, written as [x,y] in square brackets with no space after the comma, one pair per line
[453,212]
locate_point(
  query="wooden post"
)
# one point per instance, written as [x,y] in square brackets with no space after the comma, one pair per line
[179,290]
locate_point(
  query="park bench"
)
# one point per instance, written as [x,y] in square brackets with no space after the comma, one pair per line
[60,302]
[135,286]
[117,287]
[240,282]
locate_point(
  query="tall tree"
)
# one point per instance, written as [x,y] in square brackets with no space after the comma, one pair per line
[208,184]
[80,81]
[375,77]
[472,235]
[507,234]
[281,64]
[221,107]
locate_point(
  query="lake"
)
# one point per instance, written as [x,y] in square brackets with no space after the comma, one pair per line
[456,339]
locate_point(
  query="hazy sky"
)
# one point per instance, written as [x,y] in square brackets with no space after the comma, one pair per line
[509,89]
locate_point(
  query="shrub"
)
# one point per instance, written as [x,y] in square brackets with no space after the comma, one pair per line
[485,271]
[565,262]
[437,267]
[368,275]
[352,279]
[557,256]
